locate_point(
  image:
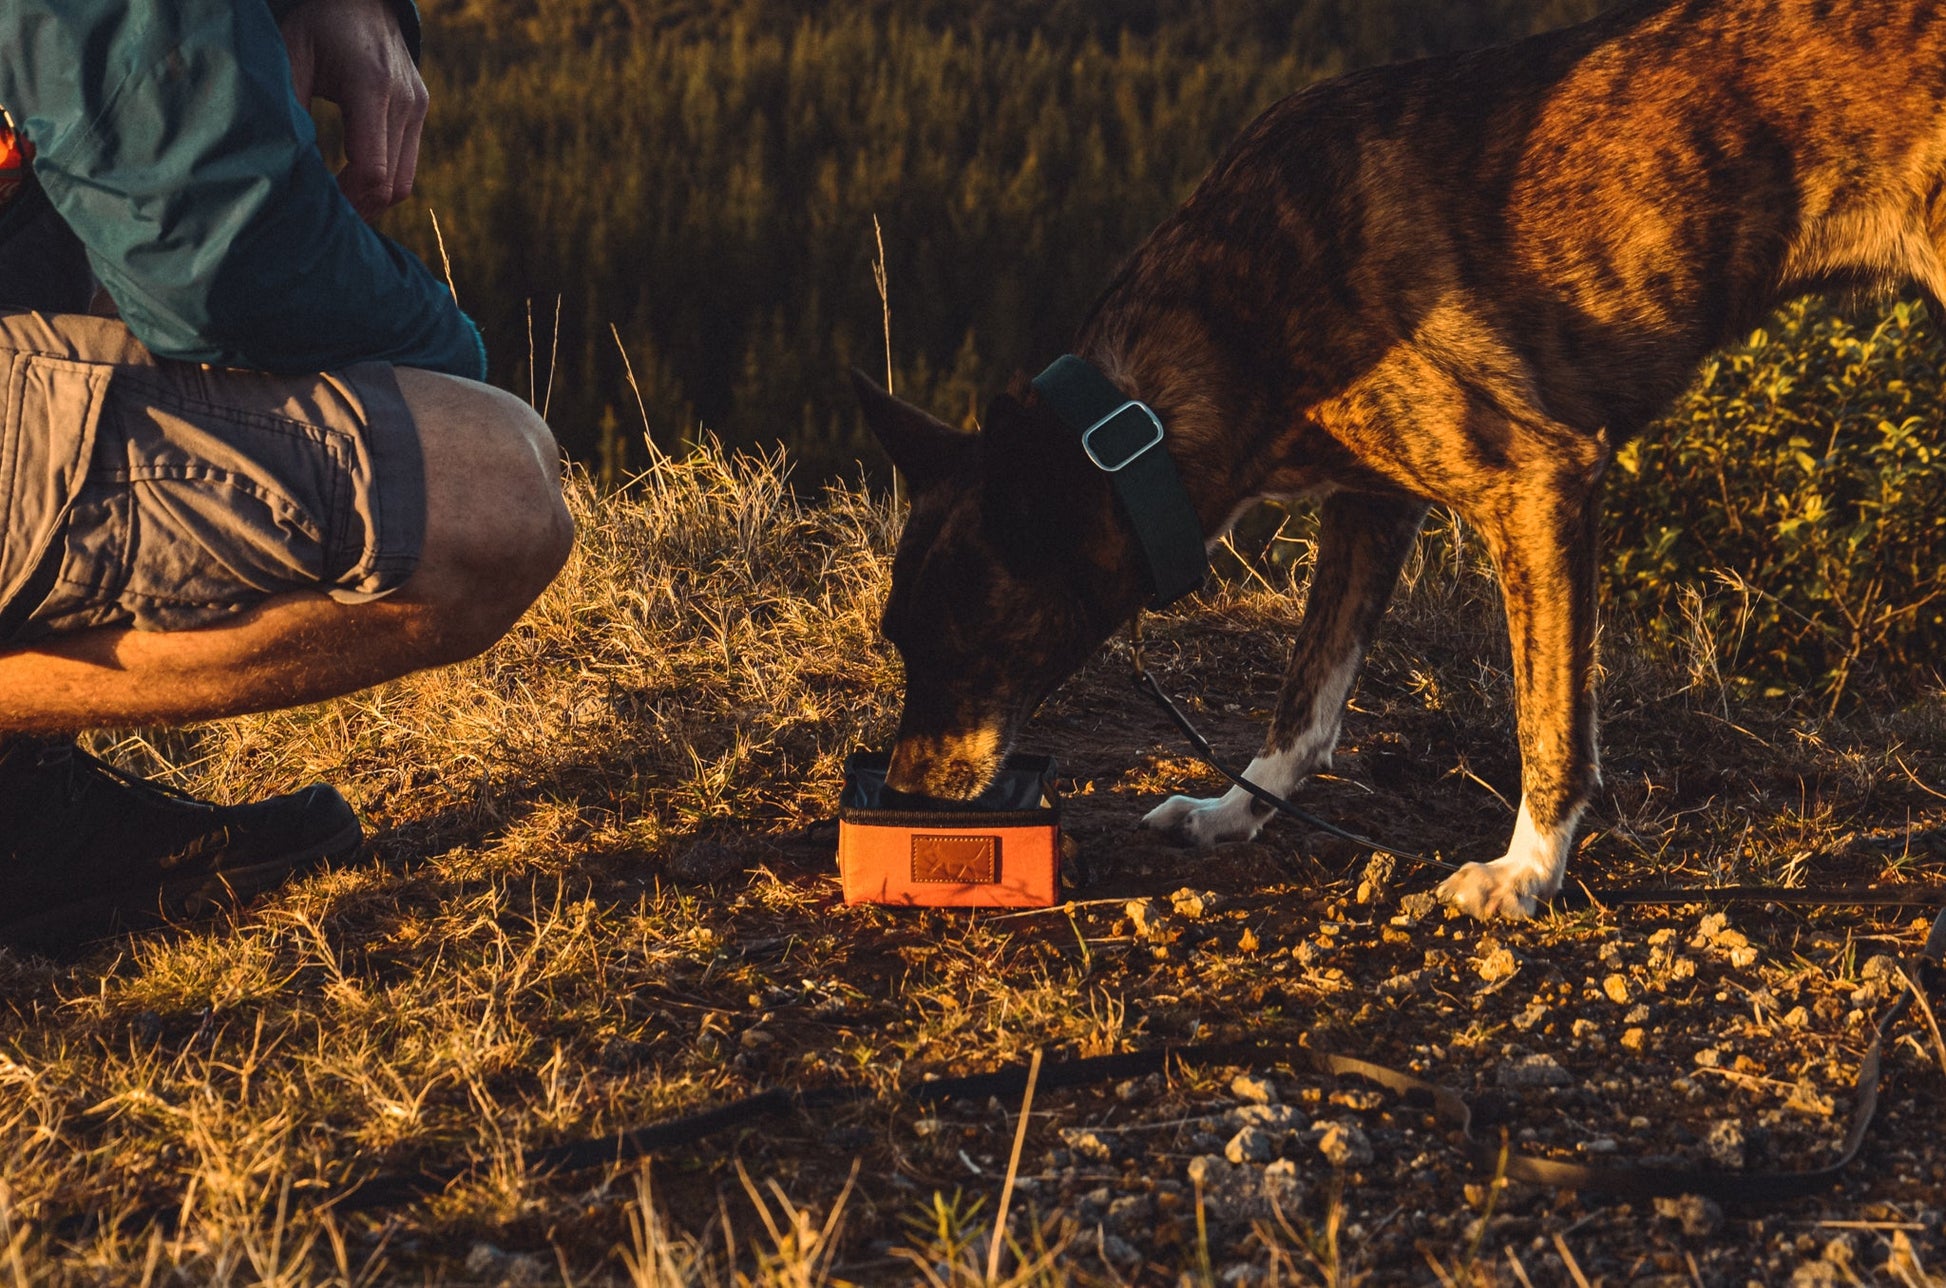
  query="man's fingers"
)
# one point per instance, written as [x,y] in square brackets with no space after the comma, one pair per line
[353,53]
[367,177]
[411,120]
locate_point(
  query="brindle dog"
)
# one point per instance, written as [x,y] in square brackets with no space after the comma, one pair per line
[1464,280]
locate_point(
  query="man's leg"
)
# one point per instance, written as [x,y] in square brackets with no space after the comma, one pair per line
[86,849]
[496,533]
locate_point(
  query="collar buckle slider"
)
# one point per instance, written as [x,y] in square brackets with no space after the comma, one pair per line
[1126,436]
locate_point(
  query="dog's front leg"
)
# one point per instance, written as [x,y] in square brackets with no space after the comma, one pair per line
[1543,543]
[1363,540]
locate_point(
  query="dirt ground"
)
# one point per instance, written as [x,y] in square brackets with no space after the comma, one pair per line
[591,903]
[1722,1038]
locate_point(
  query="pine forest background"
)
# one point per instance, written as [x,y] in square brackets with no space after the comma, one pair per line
[702,178]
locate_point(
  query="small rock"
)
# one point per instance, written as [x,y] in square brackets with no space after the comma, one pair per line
[1816,1274]
[1131,1211]
[1363,1099]
[1403,984]
[1538,1070]
[1880,966]
[1118,1251]
[1191,904]
[1495,963]
[482,1258]
[1233,1193]
[1724,1143]
[1709,1058]
[1251,1145]
[1698,1216]
[1092,1207]
[1634,1039]
[1271,1118]
[1805,1098]
[1088,1144]
[1145,915]
[1882,978]
[1344,1144]
[1378,875]
[1616,986]
[1227,1189]
[1797,1017]
[925,1126]
[1418,906]
[1282,1190]
[1240,1275]
[1255,1090]
[1708,929]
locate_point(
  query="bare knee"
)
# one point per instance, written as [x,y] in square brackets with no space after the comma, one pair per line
[497,528]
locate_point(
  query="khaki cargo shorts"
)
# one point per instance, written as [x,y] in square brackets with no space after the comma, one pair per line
[162,495]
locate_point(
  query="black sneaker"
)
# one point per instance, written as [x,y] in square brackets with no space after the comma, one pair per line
[88,850]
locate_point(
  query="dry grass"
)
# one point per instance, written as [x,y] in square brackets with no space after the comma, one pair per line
[591,906]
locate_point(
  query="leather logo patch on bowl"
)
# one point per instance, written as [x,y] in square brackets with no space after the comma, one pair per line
[959,860]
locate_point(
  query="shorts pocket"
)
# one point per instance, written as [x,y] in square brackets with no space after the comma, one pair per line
[47,437]
[192,513]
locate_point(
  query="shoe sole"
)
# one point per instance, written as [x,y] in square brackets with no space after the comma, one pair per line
[63,931]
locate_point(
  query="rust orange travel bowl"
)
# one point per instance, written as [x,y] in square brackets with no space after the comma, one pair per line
[1002,850]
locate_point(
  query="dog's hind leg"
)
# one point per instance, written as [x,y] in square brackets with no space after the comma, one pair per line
[1541,533]
[1363,540]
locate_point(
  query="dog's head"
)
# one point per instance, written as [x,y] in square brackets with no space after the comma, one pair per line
[1011,571]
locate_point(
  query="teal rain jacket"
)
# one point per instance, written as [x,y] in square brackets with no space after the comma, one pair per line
[169,139]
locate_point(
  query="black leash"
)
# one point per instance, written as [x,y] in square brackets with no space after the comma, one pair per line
[1924,897]
[1925,978]
[1207,754]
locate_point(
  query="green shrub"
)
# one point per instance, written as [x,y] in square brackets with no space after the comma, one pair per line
[1795,496]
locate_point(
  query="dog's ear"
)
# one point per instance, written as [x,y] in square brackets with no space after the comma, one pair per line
[1037,487]
[924,449]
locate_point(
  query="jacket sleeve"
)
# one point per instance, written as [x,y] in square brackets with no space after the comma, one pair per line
[168,137]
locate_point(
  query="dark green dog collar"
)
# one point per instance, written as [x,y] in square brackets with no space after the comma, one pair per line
[1124,439]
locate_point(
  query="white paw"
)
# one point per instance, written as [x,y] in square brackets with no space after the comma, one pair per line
[1506,888]
[1206,822]
[1511,886]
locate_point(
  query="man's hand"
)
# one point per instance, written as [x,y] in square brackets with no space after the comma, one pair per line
[351,52]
